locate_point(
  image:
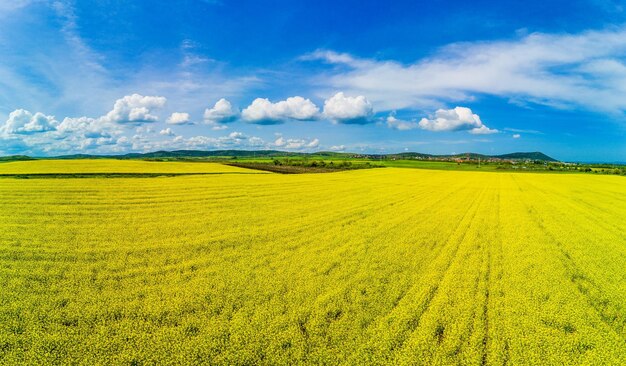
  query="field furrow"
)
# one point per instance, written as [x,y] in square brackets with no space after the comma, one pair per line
[380,266]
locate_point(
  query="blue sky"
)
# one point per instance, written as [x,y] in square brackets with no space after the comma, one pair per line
[437,77]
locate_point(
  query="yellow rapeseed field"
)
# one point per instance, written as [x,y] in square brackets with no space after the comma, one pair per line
[114,166]
[380,266]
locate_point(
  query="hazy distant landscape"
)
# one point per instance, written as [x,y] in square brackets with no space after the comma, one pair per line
[324,161]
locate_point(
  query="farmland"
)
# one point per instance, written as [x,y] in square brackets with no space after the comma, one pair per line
[372,266]
[107,166]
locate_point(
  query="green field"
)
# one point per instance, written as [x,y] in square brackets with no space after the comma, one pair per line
[372,266]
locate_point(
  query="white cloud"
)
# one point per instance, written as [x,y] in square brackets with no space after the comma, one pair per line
[222,112]
[167,132]
[78,124]
[105,134]
[73,129]
[62,71]
[218,127]
[516,136]
[518,130]
[123,141]
[9,6]
[338,148]
[255,141]
[348,110]
[457,119]
[330,57]
[397,124]
[280,141]
[190,60]
[296,144]
[144,129]
[483,130]
[135,108]
[237,136]
[560,70]
[262,111]
[178,118]
[232,140]
[23,122]
[65,72]
[81,134]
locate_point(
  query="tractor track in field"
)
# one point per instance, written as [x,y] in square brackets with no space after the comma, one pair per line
[577,207]
[487,278]
[433,290]
[485,309]
[578,276]
[581,279]
[412,324]
[386,266]
[388,206]
[482,310]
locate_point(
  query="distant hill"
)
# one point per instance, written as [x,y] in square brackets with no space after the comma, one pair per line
[199,153]
[188,154]
[15,158]
[526,156]
[474,156]
[178,154]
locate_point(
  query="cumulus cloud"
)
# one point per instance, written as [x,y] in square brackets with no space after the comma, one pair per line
[280,141]
[516,136]
[237,136]
[337,148]
[135,108]
[23,122]
[397,124]
[349,110]
[583,70]
[178,118]
[144,129]
[222,112]
[232,140]
[123,141]
[296,144]
[167,132]
[457,119]
[264,112]
[482,130]
[78,124]
[104,134]
[76,134]
[218,127]
[255,141]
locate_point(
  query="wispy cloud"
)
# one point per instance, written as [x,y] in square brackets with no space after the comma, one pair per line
[57,72]
[584,70]
[64,73]
[519,130]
